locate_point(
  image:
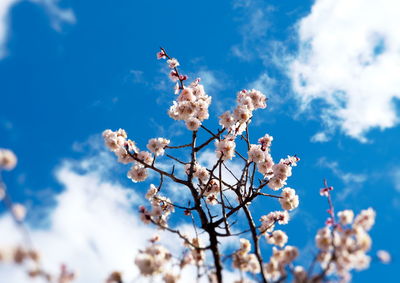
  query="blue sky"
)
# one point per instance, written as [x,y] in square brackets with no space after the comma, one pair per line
[70,69]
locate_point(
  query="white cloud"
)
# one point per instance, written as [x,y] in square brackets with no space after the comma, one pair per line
[320,137]
[57,15]
[5,7]
[94,226]
[348,62]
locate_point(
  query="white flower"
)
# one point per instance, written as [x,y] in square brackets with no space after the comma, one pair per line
[157,145]
[152,260]
[346,217]
[256,154]
[202,174]
[365,219]
[266,141]
[290,253]
[276,183]
[151,192]
[278,238]
[193,124]
[268,221]
[145,264]
[283,170]
[171,277]
[8,160]
[289,199]
[245,245]
[273,270]
[265,167]
[146,157]
[114,140]
[187,95]
[282,217]
[258,99]
[123,156]
[384,256]
[323,239]
[226,148]
[243,260]
[137,173]
[172,63]
[300,274]
[361,260]
[242,114]
[226,120]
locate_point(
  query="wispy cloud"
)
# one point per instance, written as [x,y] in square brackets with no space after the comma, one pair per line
[5,7]
[352,181]
[348,64]
[254,28]
[396,178]
[320,137]
[136,76]
[57,15]
[263,83]
[211,83]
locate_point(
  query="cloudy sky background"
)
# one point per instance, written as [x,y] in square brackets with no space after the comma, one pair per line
[69,70]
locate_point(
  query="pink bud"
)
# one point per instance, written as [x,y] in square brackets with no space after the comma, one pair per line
[161,55]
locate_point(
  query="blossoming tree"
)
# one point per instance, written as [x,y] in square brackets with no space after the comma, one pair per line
[217,195]
[215,201]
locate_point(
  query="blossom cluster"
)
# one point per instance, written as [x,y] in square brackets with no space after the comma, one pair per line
[196,255]
[236,122]
[281,171]
[344,245]
[245,261]
[157,260]
[247,102]
[275,268]
[127,152]
[30,258]
[152,260]
[210,188]
[19,255]
[191,105]
[289,200]
[161,208]
[268,221]
[199,172]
